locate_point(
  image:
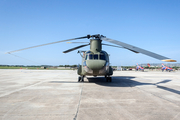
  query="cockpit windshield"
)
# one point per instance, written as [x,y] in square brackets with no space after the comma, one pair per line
[95,57]
[89,56]
[99,56]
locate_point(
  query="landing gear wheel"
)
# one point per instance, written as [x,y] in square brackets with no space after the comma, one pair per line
[81,79]
[108,79]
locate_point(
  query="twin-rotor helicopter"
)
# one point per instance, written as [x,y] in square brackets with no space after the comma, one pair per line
[95,62]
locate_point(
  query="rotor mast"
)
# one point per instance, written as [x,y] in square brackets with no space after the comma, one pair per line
[95,43]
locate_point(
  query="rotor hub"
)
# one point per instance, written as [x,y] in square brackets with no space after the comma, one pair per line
[97,36]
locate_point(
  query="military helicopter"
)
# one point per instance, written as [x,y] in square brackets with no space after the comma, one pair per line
[95,62]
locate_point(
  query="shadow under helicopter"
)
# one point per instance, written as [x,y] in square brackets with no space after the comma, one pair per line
[122,81]
[126,81]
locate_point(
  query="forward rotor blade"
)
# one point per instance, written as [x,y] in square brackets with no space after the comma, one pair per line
[119,47]
[111,45]
[76,42]
[75,48]
[139,50]
[46,44]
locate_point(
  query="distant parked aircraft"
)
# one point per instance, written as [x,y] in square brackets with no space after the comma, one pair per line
[139,68]
[166,68]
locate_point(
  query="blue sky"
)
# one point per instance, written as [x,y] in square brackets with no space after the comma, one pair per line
[153,25]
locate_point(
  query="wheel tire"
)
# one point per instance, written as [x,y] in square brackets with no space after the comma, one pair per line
[110,79]
[82,79]
[79,79]
[107,79]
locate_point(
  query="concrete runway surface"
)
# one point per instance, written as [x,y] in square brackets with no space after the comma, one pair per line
[56,95]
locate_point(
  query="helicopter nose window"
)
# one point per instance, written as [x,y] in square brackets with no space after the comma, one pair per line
[90,56]
[102,57]
[96,56]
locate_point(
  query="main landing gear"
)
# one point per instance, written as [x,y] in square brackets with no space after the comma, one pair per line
[108,79]
[81,79]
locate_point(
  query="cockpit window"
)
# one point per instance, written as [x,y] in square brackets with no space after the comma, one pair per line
[102,57]
[90,56]
[96,56]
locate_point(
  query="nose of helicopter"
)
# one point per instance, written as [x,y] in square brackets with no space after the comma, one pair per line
[95,64]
